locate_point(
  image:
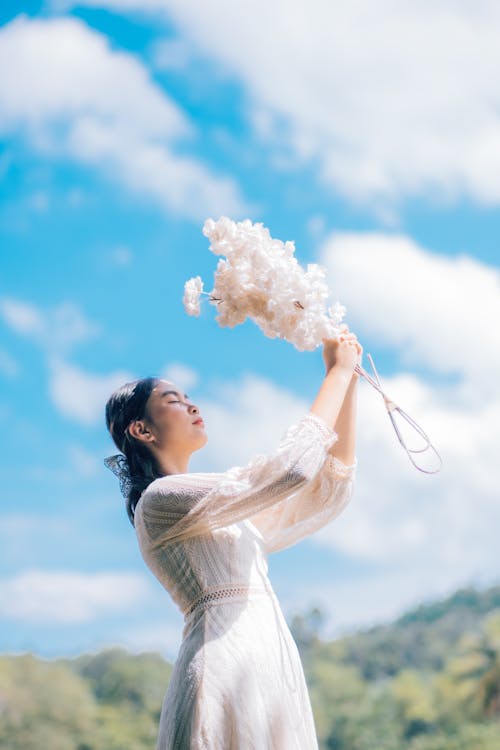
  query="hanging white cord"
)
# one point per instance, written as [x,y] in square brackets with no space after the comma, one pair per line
[391,407]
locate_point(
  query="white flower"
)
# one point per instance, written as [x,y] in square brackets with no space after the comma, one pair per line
[260,278]
[192,291]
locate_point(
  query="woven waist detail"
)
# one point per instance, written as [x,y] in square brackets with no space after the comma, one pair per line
[225,593]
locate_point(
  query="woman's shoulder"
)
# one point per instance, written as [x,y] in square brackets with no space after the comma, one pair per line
[175,484]
[174,494]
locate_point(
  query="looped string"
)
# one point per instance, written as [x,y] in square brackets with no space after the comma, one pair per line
[392,407]
[118,464]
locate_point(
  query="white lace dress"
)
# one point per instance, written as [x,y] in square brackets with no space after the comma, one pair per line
[238,682]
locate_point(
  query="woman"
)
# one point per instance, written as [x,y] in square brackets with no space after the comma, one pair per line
[238,682]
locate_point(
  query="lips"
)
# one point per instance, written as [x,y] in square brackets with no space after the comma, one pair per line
[199,421]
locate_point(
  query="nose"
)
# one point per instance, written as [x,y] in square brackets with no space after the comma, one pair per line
[193,409]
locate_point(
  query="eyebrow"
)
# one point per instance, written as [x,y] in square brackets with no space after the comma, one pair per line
[176,393]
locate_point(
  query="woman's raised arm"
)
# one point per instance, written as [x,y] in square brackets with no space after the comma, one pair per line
[266,480]
[340,357]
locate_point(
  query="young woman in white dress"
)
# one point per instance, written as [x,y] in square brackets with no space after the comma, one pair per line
[238,682]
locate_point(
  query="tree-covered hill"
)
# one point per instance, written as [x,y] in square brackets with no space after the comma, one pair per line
[428,681]
[422,638]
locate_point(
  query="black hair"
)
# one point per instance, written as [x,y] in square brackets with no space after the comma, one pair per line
[123,406]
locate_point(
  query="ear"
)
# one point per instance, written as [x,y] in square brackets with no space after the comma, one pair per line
[138,430]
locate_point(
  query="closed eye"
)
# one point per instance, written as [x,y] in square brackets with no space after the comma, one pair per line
[174,393]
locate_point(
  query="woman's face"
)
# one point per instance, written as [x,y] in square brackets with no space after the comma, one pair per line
[175,421]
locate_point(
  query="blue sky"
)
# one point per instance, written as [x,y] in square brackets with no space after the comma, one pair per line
[375,147]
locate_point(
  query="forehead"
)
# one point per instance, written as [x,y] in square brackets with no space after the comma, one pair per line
[166,385]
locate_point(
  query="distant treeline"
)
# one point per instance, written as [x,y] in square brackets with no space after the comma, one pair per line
[428,681]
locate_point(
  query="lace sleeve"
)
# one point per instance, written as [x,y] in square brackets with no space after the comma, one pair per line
[180,504]
[310,508]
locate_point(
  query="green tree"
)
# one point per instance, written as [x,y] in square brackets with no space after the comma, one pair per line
[43,705]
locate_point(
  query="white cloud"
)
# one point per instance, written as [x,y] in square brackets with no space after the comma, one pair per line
[22,317]
[76,97]
[80,395]
[63,597]
[178,183]
[56,329]
[394,99]
[438,312]
[63,69]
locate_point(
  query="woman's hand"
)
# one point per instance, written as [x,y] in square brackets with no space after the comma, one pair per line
[345,352]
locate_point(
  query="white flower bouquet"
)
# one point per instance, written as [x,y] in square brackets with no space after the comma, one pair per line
[260,278]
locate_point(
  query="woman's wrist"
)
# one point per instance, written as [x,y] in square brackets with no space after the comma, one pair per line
[344,373]
[352,375]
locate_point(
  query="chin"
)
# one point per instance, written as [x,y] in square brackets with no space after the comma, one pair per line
[202,441]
